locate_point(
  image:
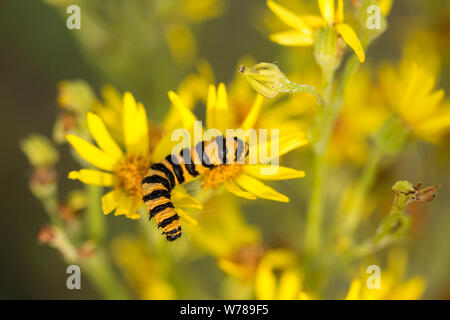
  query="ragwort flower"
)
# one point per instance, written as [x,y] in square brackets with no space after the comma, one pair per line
[241,179]
[305,26]
[122,171]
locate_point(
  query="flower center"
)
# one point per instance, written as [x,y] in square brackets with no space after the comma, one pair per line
[220,174]
[130,172]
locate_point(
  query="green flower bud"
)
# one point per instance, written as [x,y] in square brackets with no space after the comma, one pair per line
[266,78]
[328,49]
[40,151]
[404,187]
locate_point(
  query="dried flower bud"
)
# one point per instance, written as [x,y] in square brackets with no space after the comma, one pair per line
[45,235]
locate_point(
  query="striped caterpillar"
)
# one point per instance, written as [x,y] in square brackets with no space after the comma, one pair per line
[183,167]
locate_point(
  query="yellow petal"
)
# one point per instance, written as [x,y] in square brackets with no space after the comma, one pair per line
[233,188]
[135,126]
[292,38]
[340,12]
[92,154]
[222,112]
[289,285]
[252,116]
[259,189]
[283,173]
[351,39]
[110,201]
[327,10]
[182,199]
[265,283]
[304,296]
[353,292]
[231,268]
[385,6]
[127,206]
[210,105]
[186,218]
[435,125]
[102,137]
[93,177]
[290,18]
[185,114]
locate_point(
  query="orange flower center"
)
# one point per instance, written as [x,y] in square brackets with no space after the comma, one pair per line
[130,173]
[220,174]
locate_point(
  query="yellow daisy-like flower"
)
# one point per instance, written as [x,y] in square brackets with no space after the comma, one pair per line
[121,170]
[410,93]
[241,179]
[392,283]
[304,27]
[285,287]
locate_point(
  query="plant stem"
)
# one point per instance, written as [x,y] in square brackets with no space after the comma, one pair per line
[363,186]
[100,273]
[94,217]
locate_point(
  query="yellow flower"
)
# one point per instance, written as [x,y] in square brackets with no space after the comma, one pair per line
[410,92]
[286,286]
[145,273]
[392,283]
[305,26]
[121,170]
[241,179]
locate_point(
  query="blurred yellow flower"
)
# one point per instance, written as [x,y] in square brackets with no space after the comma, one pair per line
[146,274]
[392,286]
[237,176]
[286,286]
[305,26]
[410,92]
[123,171]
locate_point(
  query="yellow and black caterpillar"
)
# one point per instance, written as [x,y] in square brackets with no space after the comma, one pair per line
[183,167]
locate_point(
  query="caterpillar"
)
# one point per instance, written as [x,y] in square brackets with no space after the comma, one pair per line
[182,167]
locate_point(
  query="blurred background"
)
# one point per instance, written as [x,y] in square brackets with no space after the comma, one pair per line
[149,48]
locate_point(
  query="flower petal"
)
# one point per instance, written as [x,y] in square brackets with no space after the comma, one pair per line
[290,18]
[186,218]
[234,188]
[102,137]
[289,285]
[327,10]
[91,153]
[351,39]
[292,38]
[252,116]
[210,105]
[182,199]
[127,206]
[110,201]
[135,126]
[340,11]
[283,173]
[353,292]
[93,177]
[259,189]
[185,114]
[222,112]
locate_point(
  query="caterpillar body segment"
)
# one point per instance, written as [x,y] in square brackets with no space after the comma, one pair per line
[182,167]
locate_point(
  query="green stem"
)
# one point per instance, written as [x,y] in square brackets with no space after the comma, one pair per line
[363,186]
[94,217]
[100,273]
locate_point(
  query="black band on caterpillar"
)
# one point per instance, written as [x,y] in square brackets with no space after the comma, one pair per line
[188,163]
[176,169]
[158,179]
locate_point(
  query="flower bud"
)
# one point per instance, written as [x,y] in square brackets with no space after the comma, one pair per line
[328,49]
[266,78]
[40,151]
[404,187]
[76,96]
